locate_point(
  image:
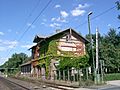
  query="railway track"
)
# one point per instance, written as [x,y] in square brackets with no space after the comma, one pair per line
[58,86]
[49,84]
[12,85]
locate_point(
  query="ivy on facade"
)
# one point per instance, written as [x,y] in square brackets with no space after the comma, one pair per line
[76,62]
[48,50]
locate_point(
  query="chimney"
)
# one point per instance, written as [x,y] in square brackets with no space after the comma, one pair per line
[58,30]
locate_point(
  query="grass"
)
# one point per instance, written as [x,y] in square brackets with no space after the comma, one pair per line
[112,76]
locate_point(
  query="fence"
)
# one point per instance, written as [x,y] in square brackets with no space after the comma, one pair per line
[73,75]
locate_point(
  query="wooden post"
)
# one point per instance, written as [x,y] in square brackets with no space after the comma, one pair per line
[59,75]
[77,75]
[101,65]
[74,75]
[54,74]
[68,75]
[87,73]
[63,74]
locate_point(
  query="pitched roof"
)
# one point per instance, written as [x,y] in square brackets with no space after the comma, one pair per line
[65,31]
[38,38]
[32,47]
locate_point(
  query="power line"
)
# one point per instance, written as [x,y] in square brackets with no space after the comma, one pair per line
[34,8]
[102,13]
[30,14]
[35,20]
[44,10]
[31,24]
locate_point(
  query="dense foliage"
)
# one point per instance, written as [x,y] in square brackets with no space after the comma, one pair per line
[47,51]
[112,76]
[15,61]
[109,50]
[76,62]
[67,59]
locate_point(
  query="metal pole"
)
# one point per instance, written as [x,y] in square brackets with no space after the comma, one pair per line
[97,51]
[91,47]
[97,60]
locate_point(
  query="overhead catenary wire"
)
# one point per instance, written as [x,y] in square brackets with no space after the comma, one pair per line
[36,18]
[34,8]
[26,20]
[102,13]
[30,14]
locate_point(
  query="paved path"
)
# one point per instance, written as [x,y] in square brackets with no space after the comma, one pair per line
[111,85]
[115,82]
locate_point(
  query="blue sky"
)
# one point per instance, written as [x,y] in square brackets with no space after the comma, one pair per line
[17,15]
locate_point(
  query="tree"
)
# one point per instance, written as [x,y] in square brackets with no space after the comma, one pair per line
[15,60]
[109,50]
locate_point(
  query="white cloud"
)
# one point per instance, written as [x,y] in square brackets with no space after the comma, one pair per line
[109,25]
[29,24]
[64,14]
[59,19]
[53,19]
[55,25]
[57,6]
[78,12]
[9,30]
[6,44]
[43,23]
[82,6]
[10,44]
[28,45]
[3,60]
[17,32]
[44,20]
[2,48]
[1,33]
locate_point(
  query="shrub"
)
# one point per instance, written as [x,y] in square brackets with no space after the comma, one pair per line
[113,76]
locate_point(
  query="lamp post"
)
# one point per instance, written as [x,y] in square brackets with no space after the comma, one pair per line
[91,47]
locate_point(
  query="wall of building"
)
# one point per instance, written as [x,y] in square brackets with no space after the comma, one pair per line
[26,70]
[71,44]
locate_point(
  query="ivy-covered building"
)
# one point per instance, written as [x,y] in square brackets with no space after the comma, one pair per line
[63,50]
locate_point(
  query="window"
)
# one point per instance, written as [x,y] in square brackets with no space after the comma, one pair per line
[67,38]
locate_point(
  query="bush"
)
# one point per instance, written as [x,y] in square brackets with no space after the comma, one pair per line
[86,83]
[113,76]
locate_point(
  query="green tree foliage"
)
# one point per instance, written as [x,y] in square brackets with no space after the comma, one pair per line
[76,62]
[15,61]
[109,49]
